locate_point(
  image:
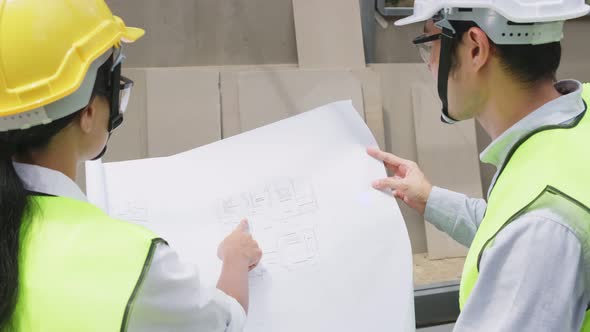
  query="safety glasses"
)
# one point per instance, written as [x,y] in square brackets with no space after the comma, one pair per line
[424,44]
[119,101]
[120,91]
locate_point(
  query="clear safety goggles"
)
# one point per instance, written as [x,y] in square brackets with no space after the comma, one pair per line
[424,44]
[125,87]
[119,91]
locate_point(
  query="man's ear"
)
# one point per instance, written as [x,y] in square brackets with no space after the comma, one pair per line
[87,119]
[479,47]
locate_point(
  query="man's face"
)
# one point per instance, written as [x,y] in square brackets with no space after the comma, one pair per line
[464,99]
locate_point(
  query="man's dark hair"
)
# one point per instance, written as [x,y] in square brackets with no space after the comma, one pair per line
[528,64]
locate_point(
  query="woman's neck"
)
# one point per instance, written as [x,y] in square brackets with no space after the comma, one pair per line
[59,157]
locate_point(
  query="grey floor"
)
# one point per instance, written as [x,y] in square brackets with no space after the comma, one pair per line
[442,328]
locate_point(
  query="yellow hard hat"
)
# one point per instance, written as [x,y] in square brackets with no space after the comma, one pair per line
[47,47]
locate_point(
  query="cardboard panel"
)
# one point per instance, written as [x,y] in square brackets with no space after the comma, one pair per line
[577,71]
[400,138]
[329,33]
[448,157]
[183,109]
[371,86]
[269,96]
[230,109]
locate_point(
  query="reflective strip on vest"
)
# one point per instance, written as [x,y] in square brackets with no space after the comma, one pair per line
[547,167]
[79,269]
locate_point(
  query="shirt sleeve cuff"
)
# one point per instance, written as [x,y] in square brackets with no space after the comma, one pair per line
[442,208]
[237,314]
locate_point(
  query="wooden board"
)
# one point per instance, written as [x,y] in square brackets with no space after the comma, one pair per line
[329,33]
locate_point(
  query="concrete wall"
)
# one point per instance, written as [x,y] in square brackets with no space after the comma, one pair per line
[209,32]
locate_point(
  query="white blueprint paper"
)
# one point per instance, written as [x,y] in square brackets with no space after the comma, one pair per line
[337,255]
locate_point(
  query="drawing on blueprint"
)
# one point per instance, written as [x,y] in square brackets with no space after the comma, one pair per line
[281,199]
[271,210]
[134,211]
[297,249]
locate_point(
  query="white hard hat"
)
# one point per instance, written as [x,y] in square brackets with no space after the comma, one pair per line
[506,22]
[519,11]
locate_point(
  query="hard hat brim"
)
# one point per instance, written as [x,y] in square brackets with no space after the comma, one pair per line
[421,16]
[130,34]
[424,14]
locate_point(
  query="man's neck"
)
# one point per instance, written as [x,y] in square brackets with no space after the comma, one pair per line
[510,102]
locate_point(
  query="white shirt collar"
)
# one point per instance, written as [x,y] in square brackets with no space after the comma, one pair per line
[561,110]
[47,181]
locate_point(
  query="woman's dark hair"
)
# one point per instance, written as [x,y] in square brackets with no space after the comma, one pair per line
[14,200]
[14,205]
[528,64]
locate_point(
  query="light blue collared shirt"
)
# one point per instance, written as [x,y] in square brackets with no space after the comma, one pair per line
[533,277]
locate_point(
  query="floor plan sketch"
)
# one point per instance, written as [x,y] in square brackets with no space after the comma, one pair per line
[270,208]
[297,249]
[130,210]
[281,199]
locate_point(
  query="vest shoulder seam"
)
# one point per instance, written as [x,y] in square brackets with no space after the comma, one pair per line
[539,130]
[139,283]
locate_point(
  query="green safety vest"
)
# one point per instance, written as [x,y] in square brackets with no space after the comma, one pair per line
[549,166]
[80,270]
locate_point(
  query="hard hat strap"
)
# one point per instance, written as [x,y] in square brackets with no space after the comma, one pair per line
[116,117]
[117,89]
[444,66]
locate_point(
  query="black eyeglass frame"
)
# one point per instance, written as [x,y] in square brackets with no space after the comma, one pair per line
[426,38]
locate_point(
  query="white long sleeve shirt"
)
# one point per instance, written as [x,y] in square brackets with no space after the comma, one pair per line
[171,297]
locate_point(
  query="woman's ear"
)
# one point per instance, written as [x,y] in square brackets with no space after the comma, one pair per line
[87,119]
